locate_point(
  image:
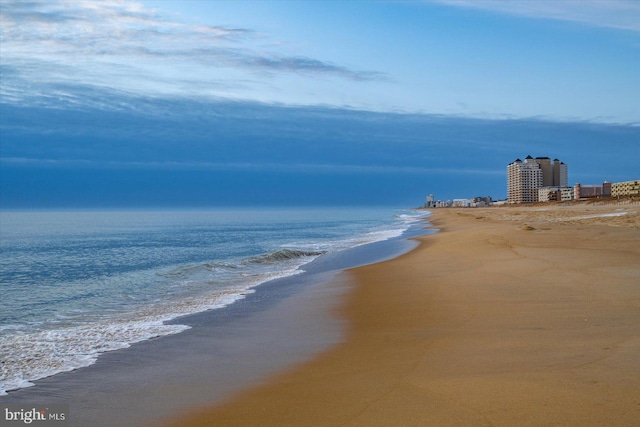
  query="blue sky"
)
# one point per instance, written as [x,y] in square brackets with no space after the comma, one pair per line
[195,103]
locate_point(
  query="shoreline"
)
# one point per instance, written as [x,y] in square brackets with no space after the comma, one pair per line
[139,296]
[507,316]
[283,323]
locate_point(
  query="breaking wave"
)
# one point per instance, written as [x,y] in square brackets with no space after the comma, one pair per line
[283,255]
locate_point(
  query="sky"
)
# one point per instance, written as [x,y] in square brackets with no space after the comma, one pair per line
[210,103]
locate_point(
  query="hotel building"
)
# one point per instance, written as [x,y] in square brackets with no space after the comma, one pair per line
[626,188]
[555,194]
[526,178]
[582,191]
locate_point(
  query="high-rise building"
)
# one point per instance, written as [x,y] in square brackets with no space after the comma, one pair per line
[525,178]
[560,174]
[547,169]
[523,181]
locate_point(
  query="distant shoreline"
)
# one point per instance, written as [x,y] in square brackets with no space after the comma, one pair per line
[594,201]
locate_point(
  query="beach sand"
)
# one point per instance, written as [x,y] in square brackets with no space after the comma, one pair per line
[507,316]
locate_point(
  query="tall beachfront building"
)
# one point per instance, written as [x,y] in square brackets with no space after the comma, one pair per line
[523,181]
[553,174]
[525,178]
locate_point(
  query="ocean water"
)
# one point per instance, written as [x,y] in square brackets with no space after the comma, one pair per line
[74,285]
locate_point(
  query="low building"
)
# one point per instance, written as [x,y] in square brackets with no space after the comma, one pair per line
[479,202]
[555,194]
[443,204]
[626,188]
[590,191]
[461,203]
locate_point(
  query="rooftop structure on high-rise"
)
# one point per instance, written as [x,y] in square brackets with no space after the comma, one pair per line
[525,178]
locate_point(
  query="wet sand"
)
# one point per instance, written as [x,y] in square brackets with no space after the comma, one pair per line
[507,316]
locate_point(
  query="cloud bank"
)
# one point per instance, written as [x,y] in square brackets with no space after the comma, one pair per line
[185,152]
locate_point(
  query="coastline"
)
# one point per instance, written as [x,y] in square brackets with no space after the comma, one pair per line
[283,323]
[507,316]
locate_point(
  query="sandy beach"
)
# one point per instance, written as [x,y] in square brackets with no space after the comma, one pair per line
[507,316]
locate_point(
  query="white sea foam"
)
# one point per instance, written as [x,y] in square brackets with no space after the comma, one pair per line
[405,221]
[36,355]
[27,357]
[378,236]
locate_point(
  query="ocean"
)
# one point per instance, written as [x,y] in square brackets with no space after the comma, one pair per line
[75,284]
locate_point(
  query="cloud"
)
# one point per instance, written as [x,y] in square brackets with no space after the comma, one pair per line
[618,14]
[307,66]
[126,46]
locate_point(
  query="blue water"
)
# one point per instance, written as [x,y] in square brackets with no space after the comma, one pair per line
[76,284]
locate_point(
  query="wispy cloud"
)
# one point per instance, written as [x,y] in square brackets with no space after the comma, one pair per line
[126,46]
[618,14]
